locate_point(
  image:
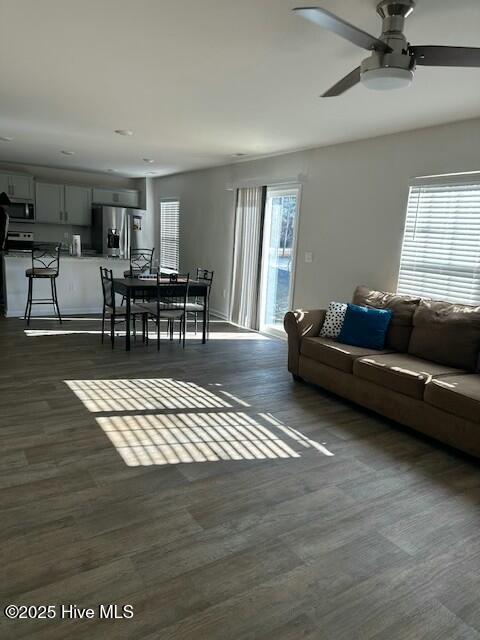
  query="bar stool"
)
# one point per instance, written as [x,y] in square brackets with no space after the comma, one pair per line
[45,264]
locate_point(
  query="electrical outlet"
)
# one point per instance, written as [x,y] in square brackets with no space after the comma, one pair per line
[308,256]
[224,293]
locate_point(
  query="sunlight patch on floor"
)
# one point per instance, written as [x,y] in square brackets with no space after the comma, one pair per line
[161,421]
[169,439]
[152,335]
[143,395]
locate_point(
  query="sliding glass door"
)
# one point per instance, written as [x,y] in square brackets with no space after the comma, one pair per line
[278,256]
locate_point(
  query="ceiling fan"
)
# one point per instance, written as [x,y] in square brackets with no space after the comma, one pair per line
[391,65]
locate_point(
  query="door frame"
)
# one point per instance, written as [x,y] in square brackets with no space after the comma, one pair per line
[268,330]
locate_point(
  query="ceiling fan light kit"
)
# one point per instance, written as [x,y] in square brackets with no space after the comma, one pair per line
[384,71]
[392,62]
[385,79]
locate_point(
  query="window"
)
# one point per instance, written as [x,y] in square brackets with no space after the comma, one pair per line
[169,234]
[441,245]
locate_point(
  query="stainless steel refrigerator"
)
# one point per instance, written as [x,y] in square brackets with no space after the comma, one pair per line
[112,230]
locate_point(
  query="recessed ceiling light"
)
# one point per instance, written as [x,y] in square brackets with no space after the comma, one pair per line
[124,132]
[113,170]
[6,138]
[68,153]
[151,173]
[148,160]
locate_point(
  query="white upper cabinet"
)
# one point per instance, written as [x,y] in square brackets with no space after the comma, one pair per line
[116,198]
[49,203]
[21,187]
[63,204]
[4,183]
[17,186]
[78,205]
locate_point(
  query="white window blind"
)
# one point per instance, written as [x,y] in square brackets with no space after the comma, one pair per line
[169,234]
[441,245]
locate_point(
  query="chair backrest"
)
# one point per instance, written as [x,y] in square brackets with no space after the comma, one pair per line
[175,297]
[141,261]
[205,275]
[46,256]
[106,276]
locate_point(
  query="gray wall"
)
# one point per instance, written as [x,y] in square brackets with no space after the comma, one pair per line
[352,210]
[206,224]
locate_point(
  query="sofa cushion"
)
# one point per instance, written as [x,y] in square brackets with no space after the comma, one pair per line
[400,372]
[459,395]
[446,333]
[365,327]
[402,307]
[334,354]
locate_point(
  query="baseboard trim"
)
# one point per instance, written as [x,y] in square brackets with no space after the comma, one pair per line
[69,311]
[219,314]
[15,313]
[65,311]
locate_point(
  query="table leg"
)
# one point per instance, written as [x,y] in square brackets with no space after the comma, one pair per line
[204,323]
[127,321]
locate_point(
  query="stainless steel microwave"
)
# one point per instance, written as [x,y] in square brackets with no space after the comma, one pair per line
[21,212]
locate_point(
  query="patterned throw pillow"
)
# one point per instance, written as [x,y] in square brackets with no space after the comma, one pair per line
[333,323]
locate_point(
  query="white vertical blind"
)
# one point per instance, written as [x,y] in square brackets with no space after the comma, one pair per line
[248,227]
[169,234]
[441,244]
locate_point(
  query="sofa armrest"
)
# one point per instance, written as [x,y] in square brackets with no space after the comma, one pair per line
[300,324]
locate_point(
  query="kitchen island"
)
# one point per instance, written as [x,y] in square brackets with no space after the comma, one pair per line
[78,284]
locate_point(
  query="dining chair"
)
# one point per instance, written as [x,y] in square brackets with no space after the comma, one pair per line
[170,305]
[197,304]
[141,262]
[112,311]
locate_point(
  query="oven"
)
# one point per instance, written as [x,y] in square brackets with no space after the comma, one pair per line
[19,241]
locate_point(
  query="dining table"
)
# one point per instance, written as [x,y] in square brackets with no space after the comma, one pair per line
[146,289]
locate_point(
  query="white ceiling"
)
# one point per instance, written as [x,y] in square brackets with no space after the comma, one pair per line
[200,80]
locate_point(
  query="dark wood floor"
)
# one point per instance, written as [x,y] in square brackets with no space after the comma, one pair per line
[293,514]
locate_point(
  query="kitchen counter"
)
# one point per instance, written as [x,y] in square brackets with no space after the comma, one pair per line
[78,284]
[65,256]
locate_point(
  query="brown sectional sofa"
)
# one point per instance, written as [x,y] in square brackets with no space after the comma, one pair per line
[427,376]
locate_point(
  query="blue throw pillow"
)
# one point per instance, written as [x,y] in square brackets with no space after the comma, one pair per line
[365,327]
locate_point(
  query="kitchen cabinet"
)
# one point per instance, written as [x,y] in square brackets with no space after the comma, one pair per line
[116,198]
[49,203]
[21,187]
[17,186]
[78,205]
[63,204]
[4,183]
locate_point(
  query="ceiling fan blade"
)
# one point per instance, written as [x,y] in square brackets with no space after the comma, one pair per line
[436,56]
[344,84]
[342,28]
